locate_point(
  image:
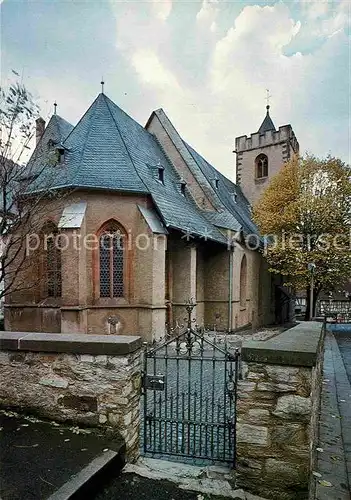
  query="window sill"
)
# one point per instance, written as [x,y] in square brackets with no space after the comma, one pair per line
[106,302]
[260,180]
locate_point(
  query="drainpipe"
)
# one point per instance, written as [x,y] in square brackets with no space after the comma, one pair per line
[230,294]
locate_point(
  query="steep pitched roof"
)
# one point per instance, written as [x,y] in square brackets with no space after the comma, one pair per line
[231,196]
[43,156]
[97,155]
[180,145]
[232,210]
[107,149]
[267,123]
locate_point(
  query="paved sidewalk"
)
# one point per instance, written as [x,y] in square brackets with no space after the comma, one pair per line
[343,336]
[333,468]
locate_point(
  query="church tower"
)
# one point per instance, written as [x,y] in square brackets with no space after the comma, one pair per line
[261,156]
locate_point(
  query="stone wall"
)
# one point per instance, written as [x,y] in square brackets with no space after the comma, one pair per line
[75,378]
[278,403]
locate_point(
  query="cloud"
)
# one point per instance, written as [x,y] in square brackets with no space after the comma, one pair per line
[250,57]
[206,17]
[325,18]
[162,8]
[213,86]
[314,9]
[152,72]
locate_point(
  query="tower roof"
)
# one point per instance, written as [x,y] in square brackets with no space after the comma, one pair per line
[267,123]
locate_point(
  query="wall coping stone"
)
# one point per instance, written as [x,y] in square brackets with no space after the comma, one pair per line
[113,345]
[297,346]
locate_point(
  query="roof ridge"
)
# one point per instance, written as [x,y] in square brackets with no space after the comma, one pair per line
[234,211]
[88,134]
[159,114]
[55,121]
[213,191]
[82,117]
[40,143]
[63,122]
[106,99]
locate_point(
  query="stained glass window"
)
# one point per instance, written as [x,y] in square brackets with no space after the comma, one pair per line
[52,261]
[111,263]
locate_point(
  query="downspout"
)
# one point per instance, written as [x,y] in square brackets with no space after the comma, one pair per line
[230,294]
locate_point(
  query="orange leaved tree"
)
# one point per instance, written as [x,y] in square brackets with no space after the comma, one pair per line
[305,216]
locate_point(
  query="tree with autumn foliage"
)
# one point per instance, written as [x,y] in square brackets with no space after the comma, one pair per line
[305,217]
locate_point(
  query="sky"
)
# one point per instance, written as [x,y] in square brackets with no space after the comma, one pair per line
[207,63]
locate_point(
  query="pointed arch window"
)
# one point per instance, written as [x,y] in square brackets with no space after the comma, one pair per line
[243,281]
[261,165]
[52,275]
[112,261]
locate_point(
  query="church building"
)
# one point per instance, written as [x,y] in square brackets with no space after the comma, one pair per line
[140,223]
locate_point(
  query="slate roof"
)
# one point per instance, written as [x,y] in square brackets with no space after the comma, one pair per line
[109,150]
[236,205]
[267,123]
[233,211]
[54,134]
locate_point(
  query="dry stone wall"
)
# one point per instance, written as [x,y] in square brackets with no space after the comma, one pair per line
[100,390]
[276,414]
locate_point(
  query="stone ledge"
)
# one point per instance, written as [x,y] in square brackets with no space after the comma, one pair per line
[297,346]
[113,345]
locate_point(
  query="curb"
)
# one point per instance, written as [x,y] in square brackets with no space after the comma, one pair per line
[75,487]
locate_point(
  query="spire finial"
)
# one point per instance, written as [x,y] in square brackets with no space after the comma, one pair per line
[55,107]
[102,85]
[268,96]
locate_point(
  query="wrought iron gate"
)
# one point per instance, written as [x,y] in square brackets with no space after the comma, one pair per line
[189,398]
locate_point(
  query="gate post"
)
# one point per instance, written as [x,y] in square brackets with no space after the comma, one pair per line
[278,401]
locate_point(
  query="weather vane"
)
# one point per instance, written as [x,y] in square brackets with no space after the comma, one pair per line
[268,96]
[55,107]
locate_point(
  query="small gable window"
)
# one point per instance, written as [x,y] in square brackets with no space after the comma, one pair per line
[60,152]
[161,174]
[261,165]
[111,259]
[215,183]
[182,187]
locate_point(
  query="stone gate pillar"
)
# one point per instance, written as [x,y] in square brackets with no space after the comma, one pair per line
[278,401]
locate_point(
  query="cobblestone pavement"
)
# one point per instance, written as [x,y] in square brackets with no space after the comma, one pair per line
[333,468]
